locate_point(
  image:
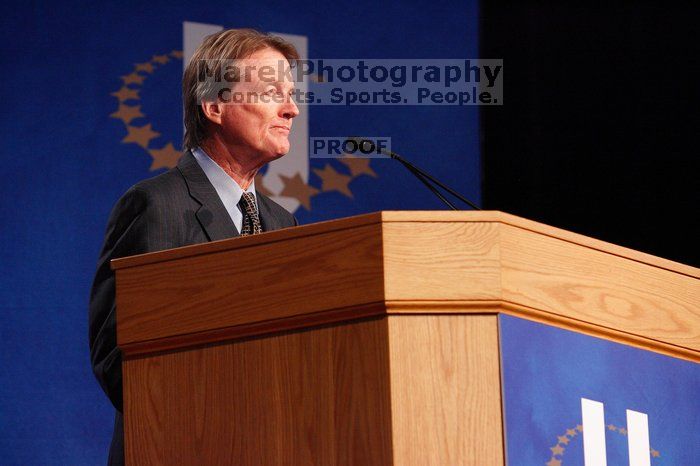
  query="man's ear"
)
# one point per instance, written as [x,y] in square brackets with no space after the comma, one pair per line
[212,110]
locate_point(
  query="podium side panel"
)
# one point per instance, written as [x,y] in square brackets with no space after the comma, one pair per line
[446,395]
[319,396]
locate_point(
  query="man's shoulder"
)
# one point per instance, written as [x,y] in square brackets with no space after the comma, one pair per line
[170,181]
[161,193]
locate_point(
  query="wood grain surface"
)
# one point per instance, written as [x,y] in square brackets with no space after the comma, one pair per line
[594,287]
[324,271]
[274,280]
[402,390]
[314,397]
[445,390]
[466,265]
[485,216]
[441,261]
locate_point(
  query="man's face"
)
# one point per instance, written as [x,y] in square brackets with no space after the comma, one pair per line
[259,131]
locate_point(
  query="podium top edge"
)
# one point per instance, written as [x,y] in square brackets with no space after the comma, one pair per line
[405,217]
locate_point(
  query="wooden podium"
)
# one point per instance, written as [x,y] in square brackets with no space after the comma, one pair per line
[371,340]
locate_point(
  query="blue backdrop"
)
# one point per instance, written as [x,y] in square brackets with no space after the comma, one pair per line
[66,164]
[546,372]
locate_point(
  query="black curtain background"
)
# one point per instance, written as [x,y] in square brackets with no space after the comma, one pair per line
[598,131]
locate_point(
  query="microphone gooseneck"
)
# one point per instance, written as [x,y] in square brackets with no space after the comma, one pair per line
[368,146]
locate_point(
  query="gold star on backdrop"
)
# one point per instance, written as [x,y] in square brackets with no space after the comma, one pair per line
[133,78]
[334,181]
[296,188]
[162,59]
[358,166]
[570,434]
[147,67]
[126,113]
[557,450]
[141,135]
[166,157]
[126,94]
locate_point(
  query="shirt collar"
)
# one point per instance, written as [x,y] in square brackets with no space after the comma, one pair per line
[229,191]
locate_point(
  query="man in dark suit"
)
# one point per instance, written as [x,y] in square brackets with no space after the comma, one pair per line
[211,194]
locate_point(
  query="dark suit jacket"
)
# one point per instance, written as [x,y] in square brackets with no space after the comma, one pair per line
[178,208]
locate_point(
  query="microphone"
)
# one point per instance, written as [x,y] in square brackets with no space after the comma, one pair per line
[367,146]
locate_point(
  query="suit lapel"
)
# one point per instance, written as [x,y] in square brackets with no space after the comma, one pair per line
[212,215]
[268,221]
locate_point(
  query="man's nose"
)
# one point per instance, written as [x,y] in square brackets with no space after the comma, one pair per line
[289,109]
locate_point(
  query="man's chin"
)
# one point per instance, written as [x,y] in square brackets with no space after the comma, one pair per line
[279,153]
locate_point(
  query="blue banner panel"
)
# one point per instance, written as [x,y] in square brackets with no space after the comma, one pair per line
[93,105]
[569,396]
